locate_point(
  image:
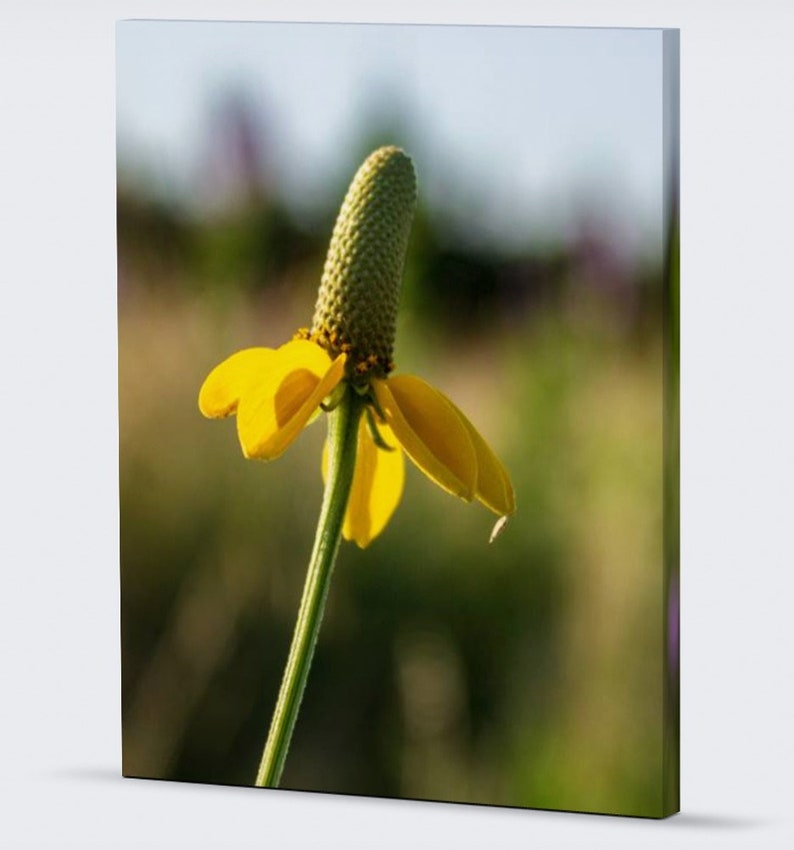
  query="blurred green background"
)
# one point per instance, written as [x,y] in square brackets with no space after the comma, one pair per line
[528,672]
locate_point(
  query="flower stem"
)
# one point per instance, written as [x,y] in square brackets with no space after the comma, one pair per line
[342,440]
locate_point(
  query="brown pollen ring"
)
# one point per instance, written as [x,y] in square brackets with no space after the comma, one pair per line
[359,367]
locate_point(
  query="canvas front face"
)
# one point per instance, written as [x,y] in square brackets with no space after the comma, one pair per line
[426,278]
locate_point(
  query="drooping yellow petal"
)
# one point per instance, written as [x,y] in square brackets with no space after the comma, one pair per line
[271,413]
[377,485]
[494,488]
[431,431]
[226,383]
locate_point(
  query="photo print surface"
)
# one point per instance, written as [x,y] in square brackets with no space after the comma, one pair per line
[398,387]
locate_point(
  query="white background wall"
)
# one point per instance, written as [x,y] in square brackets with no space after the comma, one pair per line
[59,541]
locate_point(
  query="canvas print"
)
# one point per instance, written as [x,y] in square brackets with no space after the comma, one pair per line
[398,389]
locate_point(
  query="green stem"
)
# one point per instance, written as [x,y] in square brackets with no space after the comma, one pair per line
[342,439]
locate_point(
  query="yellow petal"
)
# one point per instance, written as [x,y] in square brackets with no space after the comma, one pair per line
[494,489]
[431,431]
[221,391]
[272,413]
[377,485]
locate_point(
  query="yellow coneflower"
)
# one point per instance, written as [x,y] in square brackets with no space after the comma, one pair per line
[342,364]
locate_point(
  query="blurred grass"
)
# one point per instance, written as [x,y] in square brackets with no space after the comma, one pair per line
[528,672]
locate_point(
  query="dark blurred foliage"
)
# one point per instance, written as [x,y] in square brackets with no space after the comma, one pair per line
[253,247]
[528,672]
[245,238]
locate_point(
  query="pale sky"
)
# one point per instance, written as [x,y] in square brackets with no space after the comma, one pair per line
[509,126]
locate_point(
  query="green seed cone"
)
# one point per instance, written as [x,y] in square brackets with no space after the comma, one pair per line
[356,308]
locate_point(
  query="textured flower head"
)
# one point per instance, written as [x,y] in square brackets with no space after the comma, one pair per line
[349,348]
[356,310]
